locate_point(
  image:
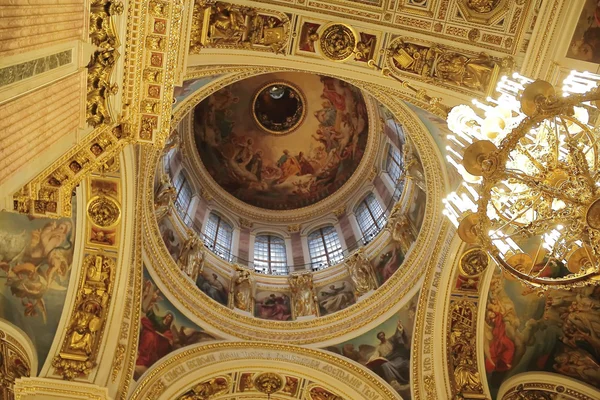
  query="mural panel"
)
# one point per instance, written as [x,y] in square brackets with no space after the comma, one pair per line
[271,305]
[171,237]
[385,350]
[335,296]
[163,328]
[585,43]
[557,332]
[282,171]
[36,255]
[387,262]
[213,285]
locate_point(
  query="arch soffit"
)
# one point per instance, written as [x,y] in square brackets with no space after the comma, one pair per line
[191,365]
[324,330]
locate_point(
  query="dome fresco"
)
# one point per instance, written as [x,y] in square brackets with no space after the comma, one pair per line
[309,152]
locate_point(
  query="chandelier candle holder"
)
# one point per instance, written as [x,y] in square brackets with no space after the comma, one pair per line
[531,192]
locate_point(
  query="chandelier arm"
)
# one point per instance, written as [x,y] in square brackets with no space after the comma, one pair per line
[537,185]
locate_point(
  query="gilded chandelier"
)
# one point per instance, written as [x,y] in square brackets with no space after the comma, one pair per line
[531,190]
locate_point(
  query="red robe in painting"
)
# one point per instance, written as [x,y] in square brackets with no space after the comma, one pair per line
[502,348]
[156,340]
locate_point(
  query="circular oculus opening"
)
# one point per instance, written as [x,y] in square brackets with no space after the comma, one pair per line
[278,108]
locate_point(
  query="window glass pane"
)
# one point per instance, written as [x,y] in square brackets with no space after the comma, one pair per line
[370,217]
[394,163]
[324,248]
[218,235]
[269,255]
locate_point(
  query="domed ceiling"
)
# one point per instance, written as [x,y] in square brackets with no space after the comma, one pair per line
[282,141]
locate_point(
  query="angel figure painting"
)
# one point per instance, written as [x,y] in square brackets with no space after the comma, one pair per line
[558,332]
[162,329]
[35,269]
[282,171]
[385,350]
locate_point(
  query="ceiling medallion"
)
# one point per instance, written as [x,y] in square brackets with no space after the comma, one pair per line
[103,211]
[337,42]
[268,383]
[279,107]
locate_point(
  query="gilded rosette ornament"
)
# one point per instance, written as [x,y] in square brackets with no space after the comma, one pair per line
[269,383]
[80,346]
[337,42]
[219,24]
[104,211]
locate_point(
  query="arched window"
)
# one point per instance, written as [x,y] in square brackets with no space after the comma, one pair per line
[394,168]
[269,255]
[184,197]
[324,247]
[217,236]
[370,217]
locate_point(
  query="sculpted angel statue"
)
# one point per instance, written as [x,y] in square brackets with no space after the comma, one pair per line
[361,273]
[162,202]
[304,298]
[400,228]
[191,256]
[242,290]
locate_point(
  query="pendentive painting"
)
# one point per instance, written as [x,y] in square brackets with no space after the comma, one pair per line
[558,332]
[163,328]
[282,141]
[585,43]
[385,350]
[36,256]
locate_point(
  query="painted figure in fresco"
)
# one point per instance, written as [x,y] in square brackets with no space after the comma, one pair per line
[35,263]
[268,173]
[336,298]
[392,357]
[388,263]
[159,334]
[212,287]
[156,339]
[274,307]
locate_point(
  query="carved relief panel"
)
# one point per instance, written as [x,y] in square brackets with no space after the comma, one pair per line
[224,25]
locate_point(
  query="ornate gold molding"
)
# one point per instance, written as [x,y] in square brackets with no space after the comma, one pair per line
[80,347]
[219,24]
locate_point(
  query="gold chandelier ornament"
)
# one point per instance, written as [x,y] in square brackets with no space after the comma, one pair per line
[531,192]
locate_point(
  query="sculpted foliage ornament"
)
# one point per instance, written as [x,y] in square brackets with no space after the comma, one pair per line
[80,347]
[103,61]
[225,25]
